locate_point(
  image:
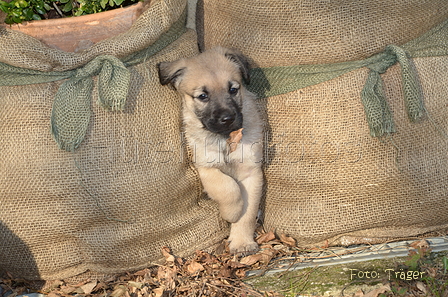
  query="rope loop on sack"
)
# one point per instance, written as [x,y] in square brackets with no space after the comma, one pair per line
[378,114]
[70,115]
[273,81]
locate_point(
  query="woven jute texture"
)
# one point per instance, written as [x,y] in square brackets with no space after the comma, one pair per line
[126,191]
[281,33]
[328,179]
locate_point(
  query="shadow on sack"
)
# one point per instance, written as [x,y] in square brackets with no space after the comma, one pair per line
[15,256]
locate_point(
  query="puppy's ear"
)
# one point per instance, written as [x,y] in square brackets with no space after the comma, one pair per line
[171,72]
[243,63]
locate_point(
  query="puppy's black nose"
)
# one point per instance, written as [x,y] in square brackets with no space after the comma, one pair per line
[227,120]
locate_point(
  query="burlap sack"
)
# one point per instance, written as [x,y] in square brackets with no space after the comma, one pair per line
[328,179]
[127,189]
[281,33]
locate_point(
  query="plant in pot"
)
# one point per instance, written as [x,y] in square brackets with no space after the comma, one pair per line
[70,25]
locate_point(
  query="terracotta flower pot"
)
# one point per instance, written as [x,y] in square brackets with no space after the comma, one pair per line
[73,34]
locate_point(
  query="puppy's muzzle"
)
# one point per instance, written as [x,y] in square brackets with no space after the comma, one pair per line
[227,120]
[224,122]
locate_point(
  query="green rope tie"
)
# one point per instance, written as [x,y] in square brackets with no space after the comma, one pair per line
[71,113]
[71,108]
[273,81]
[378,114]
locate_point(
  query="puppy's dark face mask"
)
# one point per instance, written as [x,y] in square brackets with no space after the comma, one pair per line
[211,84]
[220,111]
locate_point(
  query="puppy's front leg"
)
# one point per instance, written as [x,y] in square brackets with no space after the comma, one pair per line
[242,232]
[224,190]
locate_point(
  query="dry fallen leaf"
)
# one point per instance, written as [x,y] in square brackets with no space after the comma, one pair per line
[142,272]
[119,291]
[234,138]
[359,293]
[179,261]
[225,271]
[240,273]
[251,259]
[289,241]
[166,275]
[421,286]
[267,256]
[265,237]
[166,252]
[236,264]
[144,292]
[158,291]
[137,285]
[88,288]
[423,244]
[204,274]
[432,271]
[194,267]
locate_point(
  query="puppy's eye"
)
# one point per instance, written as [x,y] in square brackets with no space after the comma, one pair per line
[203,97]
[233,91]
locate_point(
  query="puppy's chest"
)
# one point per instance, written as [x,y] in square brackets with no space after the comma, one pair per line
[216,152]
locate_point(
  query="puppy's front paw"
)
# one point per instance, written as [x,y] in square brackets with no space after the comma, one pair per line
[242,246]
[232,213]
[231,208]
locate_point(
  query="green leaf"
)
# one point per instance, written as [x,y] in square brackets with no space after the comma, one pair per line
[23,3]
[412,261]
[9,21]
[402,291]
[103,3]
[118,2]
[16,20]
[28,13]
[39,10]
[36,17]
[67,7]
[47,7]
[445,264]
[4,5]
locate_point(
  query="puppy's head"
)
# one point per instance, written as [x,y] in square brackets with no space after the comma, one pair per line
[212,85]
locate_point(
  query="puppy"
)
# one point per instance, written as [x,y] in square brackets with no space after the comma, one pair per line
[215,103]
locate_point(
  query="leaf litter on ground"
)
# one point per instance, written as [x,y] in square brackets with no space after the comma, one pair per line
[202,274]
